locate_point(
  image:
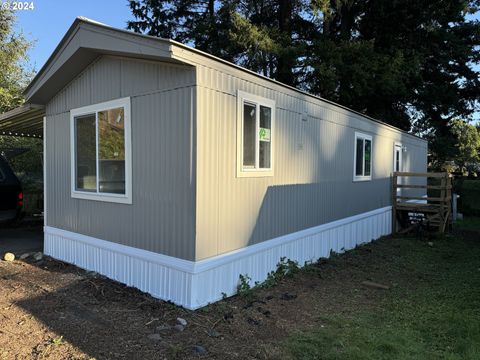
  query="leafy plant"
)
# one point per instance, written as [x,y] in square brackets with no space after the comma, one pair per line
[57,341]
[15,74]
[285,268]
[243,287]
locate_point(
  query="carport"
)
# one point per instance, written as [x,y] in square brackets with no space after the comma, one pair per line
[24,121]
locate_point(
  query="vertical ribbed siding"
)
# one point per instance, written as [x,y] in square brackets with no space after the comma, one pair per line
[313,166]
[111,77]
[161,218]
[159,280]
[195,284]
[209,284]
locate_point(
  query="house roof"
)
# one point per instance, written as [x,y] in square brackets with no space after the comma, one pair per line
[86,39]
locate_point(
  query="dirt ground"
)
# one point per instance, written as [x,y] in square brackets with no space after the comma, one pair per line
[52,310]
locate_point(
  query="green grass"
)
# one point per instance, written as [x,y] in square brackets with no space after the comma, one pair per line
[434,313]
[470,223]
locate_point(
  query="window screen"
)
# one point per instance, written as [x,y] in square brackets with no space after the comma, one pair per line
[249,125]
[367,155]
[265,136]
[85,151]
[111,154]
[397,160]
[359,158]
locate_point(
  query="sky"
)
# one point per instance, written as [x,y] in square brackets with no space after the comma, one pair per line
[50,19]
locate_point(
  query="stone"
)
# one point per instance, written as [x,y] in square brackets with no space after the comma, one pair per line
[24,256]
[178,328]
[182,321]
[155,337]
[213,333]
[430,243]
[375,285]
[9,256]
[163,328]
[38,256]
[286,296]
[199,349]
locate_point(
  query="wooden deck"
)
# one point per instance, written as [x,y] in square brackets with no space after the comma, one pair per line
[433,212]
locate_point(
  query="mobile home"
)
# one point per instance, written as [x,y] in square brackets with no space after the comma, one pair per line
[174,172]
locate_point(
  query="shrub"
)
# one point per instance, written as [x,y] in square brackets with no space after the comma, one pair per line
[469,201]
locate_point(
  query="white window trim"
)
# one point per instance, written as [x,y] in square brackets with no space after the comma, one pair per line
[395,145]
[115,198]
[241,98]
[356,177]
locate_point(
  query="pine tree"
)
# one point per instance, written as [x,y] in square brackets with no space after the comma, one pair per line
[408,63]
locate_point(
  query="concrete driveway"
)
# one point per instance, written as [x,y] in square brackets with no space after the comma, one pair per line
[21,239]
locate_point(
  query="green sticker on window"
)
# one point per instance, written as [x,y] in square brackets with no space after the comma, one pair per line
[264,134]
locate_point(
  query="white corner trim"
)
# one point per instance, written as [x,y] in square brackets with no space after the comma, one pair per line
[44,171]
[195,284]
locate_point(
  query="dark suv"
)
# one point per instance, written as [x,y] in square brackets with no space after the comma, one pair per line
[11,195]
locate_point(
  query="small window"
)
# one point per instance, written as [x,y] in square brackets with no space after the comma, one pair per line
[101,168]
[255,130]
[363,157]
[397,160]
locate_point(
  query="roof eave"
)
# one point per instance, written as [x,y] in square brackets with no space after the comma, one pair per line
[91,39]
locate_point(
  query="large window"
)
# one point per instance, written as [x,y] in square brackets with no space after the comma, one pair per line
[363,157]
[256,118]
[100,143]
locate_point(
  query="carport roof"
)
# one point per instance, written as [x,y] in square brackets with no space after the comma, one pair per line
[24,121]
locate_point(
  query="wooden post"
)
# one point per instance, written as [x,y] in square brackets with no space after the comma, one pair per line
[442,210]
[394,203]
[448,203]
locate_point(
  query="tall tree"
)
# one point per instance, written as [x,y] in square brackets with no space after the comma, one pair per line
[13,61]
[441,44]
[408,63]
[467,154]
[267,36]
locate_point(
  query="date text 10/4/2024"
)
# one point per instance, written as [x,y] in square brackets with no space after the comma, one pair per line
[16,5]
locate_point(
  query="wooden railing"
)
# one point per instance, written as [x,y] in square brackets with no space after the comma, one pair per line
[430,211]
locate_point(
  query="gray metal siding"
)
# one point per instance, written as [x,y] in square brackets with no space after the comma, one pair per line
[188,201]
[313,165]
[162,216]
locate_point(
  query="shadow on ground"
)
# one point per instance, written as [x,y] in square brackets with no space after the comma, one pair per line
[22,237]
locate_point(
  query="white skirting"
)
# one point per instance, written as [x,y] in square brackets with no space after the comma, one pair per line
[195,284]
